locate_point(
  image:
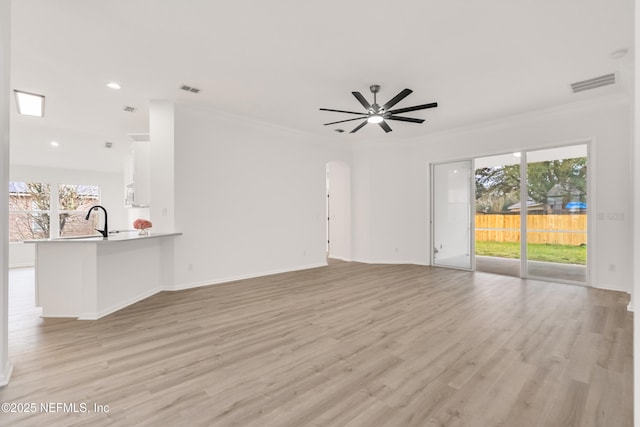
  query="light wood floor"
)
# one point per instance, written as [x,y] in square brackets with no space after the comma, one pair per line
[350,344]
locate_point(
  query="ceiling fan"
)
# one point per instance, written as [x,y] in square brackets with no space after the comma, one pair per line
[378,114]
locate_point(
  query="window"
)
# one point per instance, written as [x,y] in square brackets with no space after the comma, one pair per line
[40,210]
[29,211]
[74,202]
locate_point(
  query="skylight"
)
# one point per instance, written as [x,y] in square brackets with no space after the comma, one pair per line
[29,104]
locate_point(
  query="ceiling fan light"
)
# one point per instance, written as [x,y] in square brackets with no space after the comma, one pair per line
[375,118]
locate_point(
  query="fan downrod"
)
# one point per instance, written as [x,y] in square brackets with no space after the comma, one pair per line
[374,90]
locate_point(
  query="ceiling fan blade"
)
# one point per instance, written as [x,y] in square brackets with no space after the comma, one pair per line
[385,126]
[357,128]
[399,97]
[342,111]
[415,108]
[348,120]
[361,99]
[405,119]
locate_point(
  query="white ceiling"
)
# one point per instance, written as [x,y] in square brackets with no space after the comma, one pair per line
[279,61]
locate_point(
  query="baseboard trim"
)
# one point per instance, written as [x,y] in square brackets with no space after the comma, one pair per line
[5,375]
[394,262]
[116,307]
[346,259]
[22,265]
[183,286]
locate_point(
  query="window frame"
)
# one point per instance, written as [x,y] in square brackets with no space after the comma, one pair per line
[54,212]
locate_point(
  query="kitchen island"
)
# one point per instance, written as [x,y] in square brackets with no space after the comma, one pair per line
[91,277]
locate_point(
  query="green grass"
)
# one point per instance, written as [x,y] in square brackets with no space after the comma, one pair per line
[536,252]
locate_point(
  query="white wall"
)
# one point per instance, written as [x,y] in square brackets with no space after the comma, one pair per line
[339,212]
[250,198]
[5,37]
[635,161]
[391,182]
[161,175]
[389,204]
[111,197]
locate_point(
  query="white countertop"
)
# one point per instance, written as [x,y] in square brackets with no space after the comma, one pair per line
[121,236]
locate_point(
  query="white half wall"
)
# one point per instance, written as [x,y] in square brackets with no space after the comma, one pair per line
[250,198]
[391,182]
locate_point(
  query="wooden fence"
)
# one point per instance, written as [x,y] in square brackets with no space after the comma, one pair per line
[568,229]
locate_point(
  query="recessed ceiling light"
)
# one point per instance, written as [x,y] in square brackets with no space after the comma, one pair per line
[55,144]
[29,104]
[113,85]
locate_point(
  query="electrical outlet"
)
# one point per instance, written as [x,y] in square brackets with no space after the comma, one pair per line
[615,216]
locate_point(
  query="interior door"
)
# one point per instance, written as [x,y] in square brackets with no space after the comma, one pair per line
[451,226]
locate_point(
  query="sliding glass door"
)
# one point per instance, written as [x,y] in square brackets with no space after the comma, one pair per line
[556,221]
[527,215]
[497,214]
[451,215]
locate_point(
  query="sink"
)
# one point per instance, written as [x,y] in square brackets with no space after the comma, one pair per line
[92,236]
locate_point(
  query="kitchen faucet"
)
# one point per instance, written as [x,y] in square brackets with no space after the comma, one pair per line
[105,232]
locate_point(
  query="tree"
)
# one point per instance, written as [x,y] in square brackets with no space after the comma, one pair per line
[569,176]
[68,197]
[31,202]
[499,187]
[73,199]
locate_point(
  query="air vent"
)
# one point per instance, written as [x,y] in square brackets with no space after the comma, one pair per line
[190,89]
[108,144]
[339,130]
[129,109]
[596,82]
[139,137]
